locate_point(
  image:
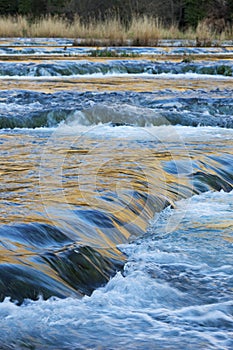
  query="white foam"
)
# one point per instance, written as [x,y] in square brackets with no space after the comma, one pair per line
[171,287]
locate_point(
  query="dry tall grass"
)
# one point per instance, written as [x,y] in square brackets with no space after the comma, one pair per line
[207,33]
[49,27]
[143,30]
[13,26]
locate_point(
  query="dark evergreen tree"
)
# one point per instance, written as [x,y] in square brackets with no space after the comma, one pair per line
[25,6]
[8,7]
[57,6]
[194,11]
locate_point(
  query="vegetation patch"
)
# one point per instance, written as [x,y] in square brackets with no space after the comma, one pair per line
[187,58]
[111,53]
[225,70]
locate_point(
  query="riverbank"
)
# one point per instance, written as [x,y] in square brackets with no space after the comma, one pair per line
[142,31]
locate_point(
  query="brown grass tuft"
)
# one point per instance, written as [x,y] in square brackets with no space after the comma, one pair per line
[204,34]
[144,31]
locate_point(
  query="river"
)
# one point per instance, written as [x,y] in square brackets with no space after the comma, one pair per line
[116,197]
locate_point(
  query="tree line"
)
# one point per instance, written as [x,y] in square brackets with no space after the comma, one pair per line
[184,13]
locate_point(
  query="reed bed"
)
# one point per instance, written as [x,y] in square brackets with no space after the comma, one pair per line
[13,26]
[48,27]
[143,30]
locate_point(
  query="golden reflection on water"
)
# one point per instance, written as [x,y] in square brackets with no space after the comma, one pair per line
[114,83]
[29,186]
[49,179]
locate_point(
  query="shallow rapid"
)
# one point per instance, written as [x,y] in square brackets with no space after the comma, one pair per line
[116,207]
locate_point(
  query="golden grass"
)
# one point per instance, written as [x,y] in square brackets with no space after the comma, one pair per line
[49,27]
[13,26]
[143,30]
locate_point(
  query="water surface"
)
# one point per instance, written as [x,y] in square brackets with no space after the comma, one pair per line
[116,202]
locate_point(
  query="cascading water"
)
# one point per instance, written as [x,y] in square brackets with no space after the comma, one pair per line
[116,207]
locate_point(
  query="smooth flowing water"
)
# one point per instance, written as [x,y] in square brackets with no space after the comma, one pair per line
[116,199]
